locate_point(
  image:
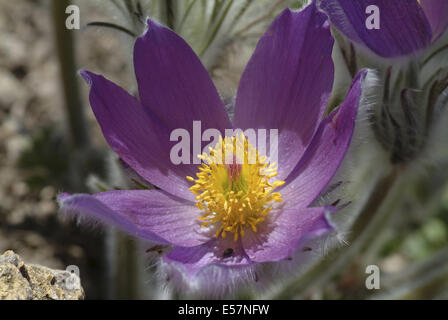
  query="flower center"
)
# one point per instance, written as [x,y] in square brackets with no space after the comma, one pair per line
[233,186]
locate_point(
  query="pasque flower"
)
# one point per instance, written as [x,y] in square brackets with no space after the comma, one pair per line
[222,220]
[406,26]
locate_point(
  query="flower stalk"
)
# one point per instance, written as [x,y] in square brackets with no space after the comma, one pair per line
[327,268]
[64,40]
[429,278]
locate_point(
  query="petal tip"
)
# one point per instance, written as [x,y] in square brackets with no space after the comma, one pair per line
[151,27]
[150,23]
[286,11]
[61,198]
[87,76]
[362,74]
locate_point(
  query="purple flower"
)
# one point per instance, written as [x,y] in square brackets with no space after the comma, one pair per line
[406,26]
[223,220]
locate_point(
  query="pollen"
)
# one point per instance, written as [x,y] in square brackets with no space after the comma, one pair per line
[234,187]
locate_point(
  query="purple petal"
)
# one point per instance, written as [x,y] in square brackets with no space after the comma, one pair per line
[140,140]
[437,13]
[217,252]
[404,28]
[173,83]
[288,81]
[149,214]
[280,235]
[325,152]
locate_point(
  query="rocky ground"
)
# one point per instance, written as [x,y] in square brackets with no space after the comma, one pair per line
[20,281]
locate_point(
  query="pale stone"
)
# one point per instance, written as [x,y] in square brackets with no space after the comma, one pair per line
[19,281]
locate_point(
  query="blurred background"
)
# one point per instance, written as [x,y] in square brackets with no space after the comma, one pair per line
[50,142]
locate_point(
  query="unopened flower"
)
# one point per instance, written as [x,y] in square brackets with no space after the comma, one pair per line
[405,27]
[414,81]
[222,220]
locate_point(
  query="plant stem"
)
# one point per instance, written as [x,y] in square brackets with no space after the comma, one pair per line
[185,16]
[215,29]
[327,268]
[241,12]
[168,13]
[260,19]
[112,26]
[429,276]
[435,53]
[66,55]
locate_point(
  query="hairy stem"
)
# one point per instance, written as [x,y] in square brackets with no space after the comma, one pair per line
[66,55]
[429,277]
[327,268]
[215,30]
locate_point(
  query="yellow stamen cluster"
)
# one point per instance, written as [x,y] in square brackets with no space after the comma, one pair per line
[233,186]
